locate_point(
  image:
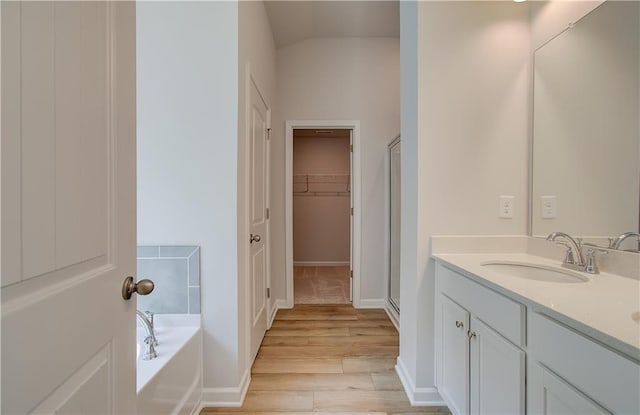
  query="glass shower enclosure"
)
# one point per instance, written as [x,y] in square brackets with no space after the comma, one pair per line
[394,224]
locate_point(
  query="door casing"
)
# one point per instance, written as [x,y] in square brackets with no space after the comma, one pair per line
[356,179]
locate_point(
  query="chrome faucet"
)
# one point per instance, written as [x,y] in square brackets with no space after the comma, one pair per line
[150,340]
[149,315]
[591,267]
[573,258]
[616,243]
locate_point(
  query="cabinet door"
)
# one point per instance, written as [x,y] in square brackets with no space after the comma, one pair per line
[453,382]
[497,372]
[551,395]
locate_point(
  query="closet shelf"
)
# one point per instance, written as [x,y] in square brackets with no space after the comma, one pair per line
[321,185]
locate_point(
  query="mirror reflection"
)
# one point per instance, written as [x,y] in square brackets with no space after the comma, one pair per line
[586,145]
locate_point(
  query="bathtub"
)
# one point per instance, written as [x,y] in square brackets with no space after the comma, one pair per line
[171,383]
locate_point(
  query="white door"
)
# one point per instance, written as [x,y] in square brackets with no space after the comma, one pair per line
[258,166]
[68,207]
[453,374]
[497,373]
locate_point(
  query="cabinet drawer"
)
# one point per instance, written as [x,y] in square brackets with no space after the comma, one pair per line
[504,315]
[603,375]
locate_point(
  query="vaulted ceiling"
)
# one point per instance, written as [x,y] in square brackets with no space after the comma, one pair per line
[293,21]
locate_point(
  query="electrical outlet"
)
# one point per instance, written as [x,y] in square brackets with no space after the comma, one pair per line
[548,207]
[506,207]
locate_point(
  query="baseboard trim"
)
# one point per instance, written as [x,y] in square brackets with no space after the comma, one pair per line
[427,397]
[417,396]
[370,303]
[198,409]
[276,306]
[405,379]
[227,397]
[320,263]
[393,315]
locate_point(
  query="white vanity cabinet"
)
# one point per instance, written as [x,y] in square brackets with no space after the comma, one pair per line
[479,370]
[490,349]
[497,372]
[570,373]
[453,356]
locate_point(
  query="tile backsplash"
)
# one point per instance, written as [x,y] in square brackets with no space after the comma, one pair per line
[175,271]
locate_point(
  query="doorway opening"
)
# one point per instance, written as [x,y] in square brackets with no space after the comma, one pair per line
[322,194]
[322,216]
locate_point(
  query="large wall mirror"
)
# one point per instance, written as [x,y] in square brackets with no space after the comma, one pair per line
[586,144]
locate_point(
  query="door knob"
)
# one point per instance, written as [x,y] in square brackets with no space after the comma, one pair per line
[254,238]
[459,324]
[142,287]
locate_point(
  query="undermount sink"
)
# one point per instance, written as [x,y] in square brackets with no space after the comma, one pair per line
[537,272]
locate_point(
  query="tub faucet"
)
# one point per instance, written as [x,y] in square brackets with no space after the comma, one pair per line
[149,315]
[573,259]
[150,339]
[616,243]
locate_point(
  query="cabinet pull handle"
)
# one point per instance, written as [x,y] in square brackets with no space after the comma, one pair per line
[459,324]
[471,334]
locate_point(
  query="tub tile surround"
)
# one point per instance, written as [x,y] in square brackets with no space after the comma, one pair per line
[175,271]
[601,308]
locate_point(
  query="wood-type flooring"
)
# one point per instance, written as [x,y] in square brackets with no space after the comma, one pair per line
[327,359]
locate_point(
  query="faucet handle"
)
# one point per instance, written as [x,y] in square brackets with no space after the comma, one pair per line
[150,349]
[568,258]
[591,266]
[149,315]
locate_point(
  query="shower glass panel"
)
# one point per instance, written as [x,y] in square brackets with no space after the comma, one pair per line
[394,224]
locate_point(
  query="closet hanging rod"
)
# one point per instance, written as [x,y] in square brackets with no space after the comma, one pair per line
[321,184]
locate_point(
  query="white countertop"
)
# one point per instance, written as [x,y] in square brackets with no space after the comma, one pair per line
[601,308]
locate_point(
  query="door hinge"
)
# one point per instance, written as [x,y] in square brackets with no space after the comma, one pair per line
[268,133]
[351,274]
[351,148]
[268,292]
[266,213]
[351,211]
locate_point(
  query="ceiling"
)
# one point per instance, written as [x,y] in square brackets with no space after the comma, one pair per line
[293,21]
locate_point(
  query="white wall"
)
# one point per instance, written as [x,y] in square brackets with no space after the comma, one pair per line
[340,79]
[470,147]
[409,71]
[188,157]
[256,59]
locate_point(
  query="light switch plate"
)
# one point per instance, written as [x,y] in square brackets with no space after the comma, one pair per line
[506,207]
[548,207]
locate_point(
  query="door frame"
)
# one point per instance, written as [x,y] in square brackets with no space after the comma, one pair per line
[356,177]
